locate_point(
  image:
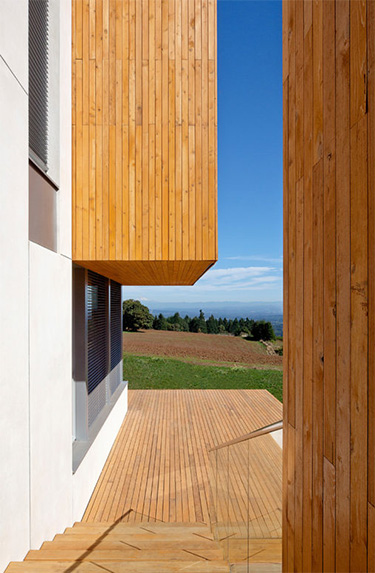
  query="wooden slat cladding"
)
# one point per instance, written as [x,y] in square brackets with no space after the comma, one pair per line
[149,272]
[329,285]
[145,136]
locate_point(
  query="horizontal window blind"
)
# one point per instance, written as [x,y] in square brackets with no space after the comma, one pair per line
[98,325]
[38,81]
[97,329]
[116,324]
[97,343]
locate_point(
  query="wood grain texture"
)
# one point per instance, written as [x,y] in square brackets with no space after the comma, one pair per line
[150,272]
[159,465]
[145,136]
[124,547]
[329,285]
[342,140]
[371,254]
[307,391]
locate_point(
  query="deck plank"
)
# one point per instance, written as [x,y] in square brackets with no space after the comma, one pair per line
[159,465]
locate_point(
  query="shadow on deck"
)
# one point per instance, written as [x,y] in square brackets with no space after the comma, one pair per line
[160,491]
[159,465]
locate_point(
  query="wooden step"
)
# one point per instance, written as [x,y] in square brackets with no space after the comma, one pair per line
[152,543]
[153,566]
[143,534]
[255,551]
[122,553]
[131,528]
[121,547]
[129,524]
[256,568]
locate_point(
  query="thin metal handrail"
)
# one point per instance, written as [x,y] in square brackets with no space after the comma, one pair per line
[254,434]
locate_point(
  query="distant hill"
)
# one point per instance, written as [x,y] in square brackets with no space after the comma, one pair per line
[272,311]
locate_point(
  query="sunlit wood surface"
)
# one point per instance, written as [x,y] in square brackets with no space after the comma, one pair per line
[159,465]
[144,139]
[329,285]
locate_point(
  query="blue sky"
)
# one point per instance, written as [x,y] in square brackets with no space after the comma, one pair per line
[250,161]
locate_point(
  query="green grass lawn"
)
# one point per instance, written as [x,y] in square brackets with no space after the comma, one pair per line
[157,372]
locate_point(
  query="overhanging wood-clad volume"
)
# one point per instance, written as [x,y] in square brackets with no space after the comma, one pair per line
[144,139]
[329,289]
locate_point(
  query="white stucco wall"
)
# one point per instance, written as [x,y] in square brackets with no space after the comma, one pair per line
[50,292]
[88,472]
[14,385]
[39,495]
[50,393]
[14,39]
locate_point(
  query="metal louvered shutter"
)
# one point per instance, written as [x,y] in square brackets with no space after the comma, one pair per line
[116,324]
[97,342]
[38,82]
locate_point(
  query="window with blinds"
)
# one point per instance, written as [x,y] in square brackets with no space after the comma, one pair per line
[97,330]
[116,324]
[97,345]
[38,82]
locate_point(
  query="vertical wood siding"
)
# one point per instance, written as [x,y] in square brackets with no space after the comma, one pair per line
[144,135]
[329,285]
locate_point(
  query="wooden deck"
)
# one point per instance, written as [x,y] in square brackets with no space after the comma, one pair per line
[159,465]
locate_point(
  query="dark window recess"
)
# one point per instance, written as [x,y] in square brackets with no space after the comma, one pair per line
[38,82]
[42,209]
[116,324]
[97,347]
[97,330]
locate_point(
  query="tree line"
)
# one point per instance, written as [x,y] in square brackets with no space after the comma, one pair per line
[137,316]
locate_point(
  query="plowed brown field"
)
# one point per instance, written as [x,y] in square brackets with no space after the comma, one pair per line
[188,345]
